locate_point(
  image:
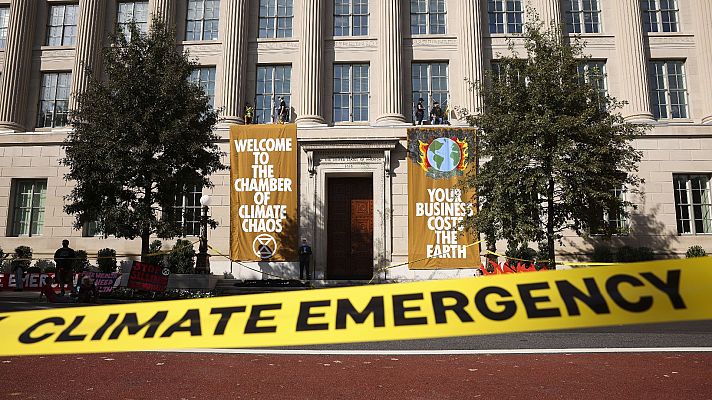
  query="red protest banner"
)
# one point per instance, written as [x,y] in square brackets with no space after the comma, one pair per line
[105,282]
[148,277]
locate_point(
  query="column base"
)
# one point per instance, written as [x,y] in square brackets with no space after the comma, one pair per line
[707,120]
[640,118]
[6,126]
[391,119]
[310,120]
[232,120]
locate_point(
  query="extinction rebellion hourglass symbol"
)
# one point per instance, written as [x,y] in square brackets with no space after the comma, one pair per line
[264,246]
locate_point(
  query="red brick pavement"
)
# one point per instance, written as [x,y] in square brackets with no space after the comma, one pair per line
[233,376]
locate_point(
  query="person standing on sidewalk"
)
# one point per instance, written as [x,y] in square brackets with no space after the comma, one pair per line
[17,266]
[64,258]
[305,252]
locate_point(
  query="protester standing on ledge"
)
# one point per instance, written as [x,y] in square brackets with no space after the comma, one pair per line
[419,112]
[17,268]
[304,255]
[436,114]
[249,113]
[283,112]
[64,258]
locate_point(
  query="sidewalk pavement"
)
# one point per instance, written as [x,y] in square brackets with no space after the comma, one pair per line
[30,300]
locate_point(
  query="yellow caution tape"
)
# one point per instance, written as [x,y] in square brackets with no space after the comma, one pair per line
[659,291]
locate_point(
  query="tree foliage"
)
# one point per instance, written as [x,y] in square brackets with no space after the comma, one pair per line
[554,146]
[141,136]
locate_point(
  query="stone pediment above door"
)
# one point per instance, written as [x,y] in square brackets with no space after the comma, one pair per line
[348,152]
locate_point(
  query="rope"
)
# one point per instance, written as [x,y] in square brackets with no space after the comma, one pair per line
[244,265]
[127,255]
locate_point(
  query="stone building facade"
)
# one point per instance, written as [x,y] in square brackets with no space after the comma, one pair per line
[351,72]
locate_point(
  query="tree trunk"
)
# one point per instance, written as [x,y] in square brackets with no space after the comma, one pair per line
[550,223]
[146,230]
[145,243]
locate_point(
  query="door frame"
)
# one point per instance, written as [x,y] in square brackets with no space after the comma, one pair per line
[328,178]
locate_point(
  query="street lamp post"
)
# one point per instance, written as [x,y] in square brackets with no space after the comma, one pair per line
[202,264]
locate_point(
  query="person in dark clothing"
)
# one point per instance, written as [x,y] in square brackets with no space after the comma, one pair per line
[436,114]
[64,259]
[304,255]
[88,293]
[283,112]
[419,112]
[249,113]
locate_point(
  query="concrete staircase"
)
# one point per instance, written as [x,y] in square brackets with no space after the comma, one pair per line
[232,287]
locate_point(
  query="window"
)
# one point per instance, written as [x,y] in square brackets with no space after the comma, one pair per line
[187,208]
[505,16]
[612,221]
[660,16]
[276,18]
[28,207]
[692,204]
[54,99]
[350,93]
[203,17]
[90,229]
[62,25]
[583,16]
[273,82]
[205,77]
[427,16]
[350,17]
[4,19]
[595,70]
[136,11]
[430,84]
[668,90]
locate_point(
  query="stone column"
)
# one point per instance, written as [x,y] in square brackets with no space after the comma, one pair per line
[163,9]
[234,57]
[550,12]
[470,49]
[90,37]
[703,38]
[17,66]
[632,60]
[312,55]
[389,48]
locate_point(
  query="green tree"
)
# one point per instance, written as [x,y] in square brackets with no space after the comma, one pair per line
[106,260]
[140,137]
[554,146]
[181,259]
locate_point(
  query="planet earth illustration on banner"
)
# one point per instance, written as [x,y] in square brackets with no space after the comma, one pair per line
[444,154]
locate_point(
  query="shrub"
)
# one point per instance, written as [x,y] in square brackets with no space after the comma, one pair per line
[624,254]
[181,259]
[22,257]
[602,254]
[4,265]
[155,249]
[81,261]
[695,251]
[45,266]
[523,252]
[107,260]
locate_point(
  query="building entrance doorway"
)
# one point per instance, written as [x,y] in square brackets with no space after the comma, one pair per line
[350,228]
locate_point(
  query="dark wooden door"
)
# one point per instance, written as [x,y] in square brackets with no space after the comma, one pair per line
[350,228]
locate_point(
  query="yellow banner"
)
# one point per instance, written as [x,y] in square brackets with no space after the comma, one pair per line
[263,198]
[437,159]
[659,291]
